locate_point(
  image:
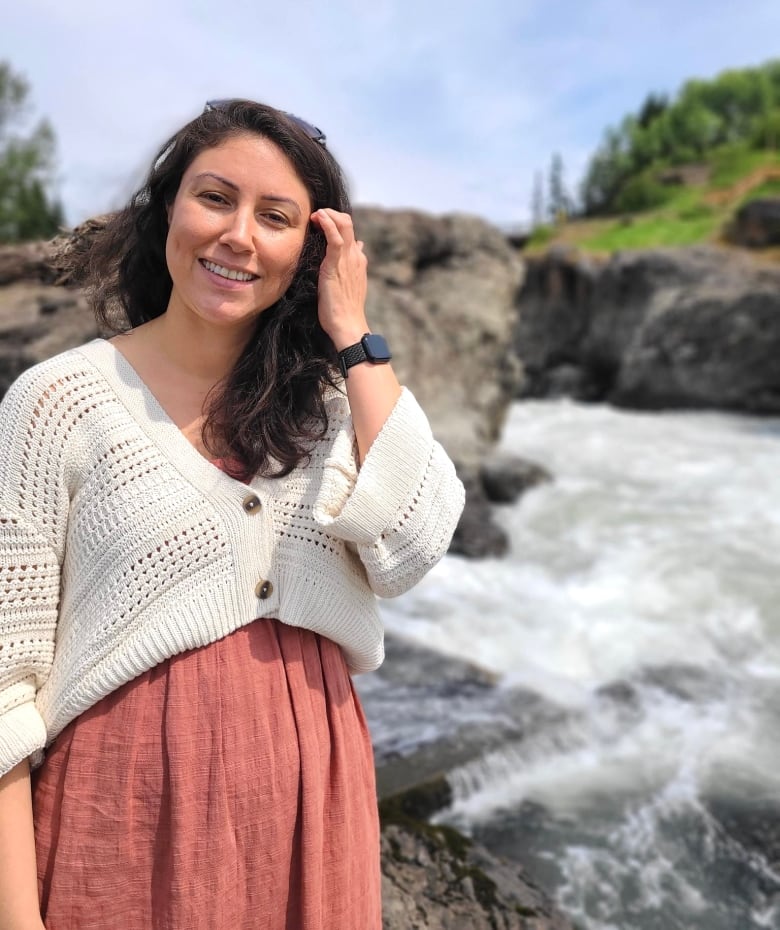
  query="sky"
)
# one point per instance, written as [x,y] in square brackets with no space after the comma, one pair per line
[438,106]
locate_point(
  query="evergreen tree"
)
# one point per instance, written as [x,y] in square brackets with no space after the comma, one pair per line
[558,200]
[26,166]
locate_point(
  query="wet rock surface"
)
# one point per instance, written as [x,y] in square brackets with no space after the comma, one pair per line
[429,714]
[433,878]
[506,477]
[477,535]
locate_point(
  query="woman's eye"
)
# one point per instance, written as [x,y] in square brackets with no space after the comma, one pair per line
[278,219]
[214,197]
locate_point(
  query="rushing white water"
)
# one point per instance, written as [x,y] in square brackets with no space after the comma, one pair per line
[651,560]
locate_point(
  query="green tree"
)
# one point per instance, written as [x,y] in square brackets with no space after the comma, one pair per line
[739,107]
[26,166]
[652,108]
[559,204]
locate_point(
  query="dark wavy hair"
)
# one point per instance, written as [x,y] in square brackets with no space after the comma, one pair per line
[270,408]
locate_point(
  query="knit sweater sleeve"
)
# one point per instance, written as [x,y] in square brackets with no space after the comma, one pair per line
[400,508]
[33,514]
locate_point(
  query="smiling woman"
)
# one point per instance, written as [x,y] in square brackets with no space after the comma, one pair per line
[236,230]
[196,516]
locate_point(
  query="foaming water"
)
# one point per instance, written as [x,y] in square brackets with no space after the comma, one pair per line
[660,532]
[641,596]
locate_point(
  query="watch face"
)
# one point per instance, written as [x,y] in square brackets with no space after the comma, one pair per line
[376,347]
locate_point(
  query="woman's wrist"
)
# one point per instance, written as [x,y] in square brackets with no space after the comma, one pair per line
[345,338]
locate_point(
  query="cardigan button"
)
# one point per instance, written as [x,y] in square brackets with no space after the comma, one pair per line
[251,504]
[264,589]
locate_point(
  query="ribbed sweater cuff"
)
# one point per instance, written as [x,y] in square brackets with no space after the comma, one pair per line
[391,474]
[22,733]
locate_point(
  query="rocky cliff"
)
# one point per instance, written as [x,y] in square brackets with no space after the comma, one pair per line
[444,290]
[696,327]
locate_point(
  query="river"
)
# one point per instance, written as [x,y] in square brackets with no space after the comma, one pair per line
[640,597]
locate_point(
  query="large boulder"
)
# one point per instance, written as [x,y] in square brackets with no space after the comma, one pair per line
[443,290]
[696,327]
[756,225]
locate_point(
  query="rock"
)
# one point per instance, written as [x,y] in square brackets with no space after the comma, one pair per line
[715,344]
[554,309]
[38,321]
[443,291]
[477,535]
[756,225]
[28,261]
[434,878]
[627,291]
[506,477]
[696,327]
[567,380]
[753,822]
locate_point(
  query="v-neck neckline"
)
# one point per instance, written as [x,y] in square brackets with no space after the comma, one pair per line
[142,404]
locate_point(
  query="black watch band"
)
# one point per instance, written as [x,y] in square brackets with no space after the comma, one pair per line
[371,348]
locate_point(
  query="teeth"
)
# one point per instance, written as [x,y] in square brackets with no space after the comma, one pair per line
[228,272]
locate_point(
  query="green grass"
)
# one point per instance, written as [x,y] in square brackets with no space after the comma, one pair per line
[653,231]
[731,163]
[767,189]
[690,216]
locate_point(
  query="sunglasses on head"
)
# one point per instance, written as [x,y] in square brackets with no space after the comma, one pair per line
[311,131]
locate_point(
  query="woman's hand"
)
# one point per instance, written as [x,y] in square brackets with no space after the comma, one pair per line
[343,280]
[373,390]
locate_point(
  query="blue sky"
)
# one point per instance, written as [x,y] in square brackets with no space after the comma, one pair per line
[440,106]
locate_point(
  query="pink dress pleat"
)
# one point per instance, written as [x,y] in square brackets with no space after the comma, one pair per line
[229,788]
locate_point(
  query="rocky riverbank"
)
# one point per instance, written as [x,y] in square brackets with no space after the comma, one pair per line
[431,714]
[434,878]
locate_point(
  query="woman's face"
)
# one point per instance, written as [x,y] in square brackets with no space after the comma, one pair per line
[235,232]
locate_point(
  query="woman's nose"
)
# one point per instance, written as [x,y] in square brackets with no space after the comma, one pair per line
[238,233]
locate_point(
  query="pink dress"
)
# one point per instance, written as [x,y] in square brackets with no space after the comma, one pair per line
[229,788]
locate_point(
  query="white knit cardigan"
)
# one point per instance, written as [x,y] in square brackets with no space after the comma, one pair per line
[120,545]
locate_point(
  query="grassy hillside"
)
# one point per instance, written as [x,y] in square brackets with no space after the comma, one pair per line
[691,213]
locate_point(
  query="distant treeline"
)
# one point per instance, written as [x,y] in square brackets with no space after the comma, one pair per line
[737,108]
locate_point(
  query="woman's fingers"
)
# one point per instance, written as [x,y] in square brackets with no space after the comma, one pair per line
[338,227]
[342,279]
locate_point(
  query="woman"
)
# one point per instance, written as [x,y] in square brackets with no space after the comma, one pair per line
[196,516]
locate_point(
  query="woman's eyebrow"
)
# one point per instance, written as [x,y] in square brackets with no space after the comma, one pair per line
[217,177]
[274,198]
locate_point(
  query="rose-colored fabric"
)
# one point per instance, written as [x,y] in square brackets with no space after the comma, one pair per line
[229,787]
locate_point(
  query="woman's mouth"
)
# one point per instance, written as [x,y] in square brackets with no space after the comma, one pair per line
[229,273]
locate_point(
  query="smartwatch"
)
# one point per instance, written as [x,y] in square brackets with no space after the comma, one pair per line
[371,348]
